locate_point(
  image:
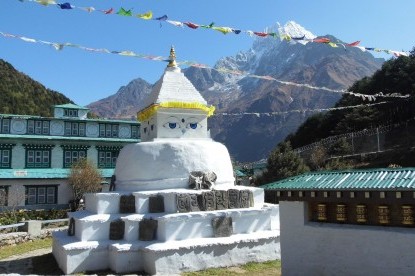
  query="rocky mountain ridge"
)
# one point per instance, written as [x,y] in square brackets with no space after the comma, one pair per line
[250,137]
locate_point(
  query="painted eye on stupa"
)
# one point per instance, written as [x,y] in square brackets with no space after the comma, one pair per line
[193,125]
[172,123]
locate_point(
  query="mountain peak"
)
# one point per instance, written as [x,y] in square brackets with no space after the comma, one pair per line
[294,29]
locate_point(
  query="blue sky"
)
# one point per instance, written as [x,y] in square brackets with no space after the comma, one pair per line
[86,77]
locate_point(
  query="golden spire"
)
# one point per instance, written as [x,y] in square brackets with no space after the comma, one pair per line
[172,58]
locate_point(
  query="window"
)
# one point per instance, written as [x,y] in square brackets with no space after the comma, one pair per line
[5,158]
[38,156]
[72,156]
[4,191]
[108,158]
[4,125]
[135,131]
[38,127]
[74,129]
[70,112]
[108,130]
[41,195]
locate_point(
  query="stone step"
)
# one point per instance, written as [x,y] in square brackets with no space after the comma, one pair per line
[178,226]
[144,202]
[165,258]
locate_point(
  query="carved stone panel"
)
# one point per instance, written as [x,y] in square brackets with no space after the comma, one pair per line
[222,200]
[183,203]
[117,228]
[127,204]
[156,204]
[222,226]
[209,202]
[71,227]
[194,203]
[245,199]
[147,229]
[234,201]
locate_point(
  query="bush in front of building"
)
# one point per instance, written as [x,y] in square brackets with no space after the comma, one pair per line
[83,178]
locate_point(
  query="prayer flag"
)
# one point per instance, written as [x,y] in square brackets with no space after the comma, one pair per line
[175,23]
[148,15]
[191,25]
[124,12]
[298,38]
[353,44]
[332,44]
[223,30]
[65,6]
[46,2]
[208,26]
[261,34]
[321,40]
[161,18]
[236,31]
[89,9]
[108,11]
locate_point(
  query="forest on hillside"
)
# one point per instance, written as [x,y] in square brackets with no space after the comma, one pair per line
[19,94]
[396,76]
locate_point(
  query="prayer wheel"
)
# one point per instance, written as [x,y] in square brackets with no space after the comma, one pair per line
[341,214]
[407,215]
[383,214]
[322,212]
[361,213]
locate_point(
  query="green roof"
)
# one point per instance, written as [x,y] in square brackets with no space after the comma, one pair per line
[72,106]
[68,138]
[43,173]
[371,179]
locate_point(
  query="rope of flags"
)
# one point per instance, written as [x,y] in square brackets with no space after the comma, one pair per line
[242,74]
[224,30]
[299,111]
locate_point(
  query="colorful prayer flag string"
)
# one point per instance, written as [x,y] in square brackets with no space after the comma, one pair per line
[224,30]
[61,46]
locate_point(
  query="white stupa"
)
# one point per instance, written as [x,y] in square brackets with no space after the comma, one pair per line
[153,221]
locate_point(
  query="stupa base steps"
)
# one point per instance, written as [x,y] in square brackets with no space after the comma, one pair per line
[172,257]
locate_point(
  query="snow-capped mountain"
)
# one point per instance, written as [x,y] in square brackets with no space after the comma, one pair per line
[251,137]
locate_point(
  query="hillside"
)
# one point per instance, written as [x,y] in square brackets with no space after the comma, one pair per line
[395,76]
[19,94]
[380,135]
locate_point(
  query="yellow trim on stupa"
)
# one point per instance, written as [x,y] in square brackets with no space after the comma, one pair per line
[149,111]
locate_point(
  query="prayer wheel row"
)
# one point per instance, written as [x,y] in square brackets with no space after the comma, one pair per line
[383,211]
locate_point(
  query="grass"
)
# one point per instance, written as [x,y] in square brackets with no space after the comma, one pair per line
[7,251]
[264,269]
[46,264]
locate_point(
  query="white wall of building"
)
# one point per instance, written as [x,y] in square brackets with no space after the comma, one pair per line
[312,248]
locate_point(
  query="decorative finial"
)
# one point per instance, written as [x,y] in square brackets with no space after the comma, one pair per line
[172,58]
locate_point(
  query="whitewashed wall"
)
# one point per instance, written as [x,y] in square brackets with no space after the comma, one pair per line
[311,248]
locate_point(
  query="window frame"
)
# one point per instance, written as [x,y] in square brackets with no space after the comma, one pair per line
[38,127]
[3,126]
[69,154]
[40,158]
[109,130]
[107,159]
[41,194]
[74,129]
[4,164]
